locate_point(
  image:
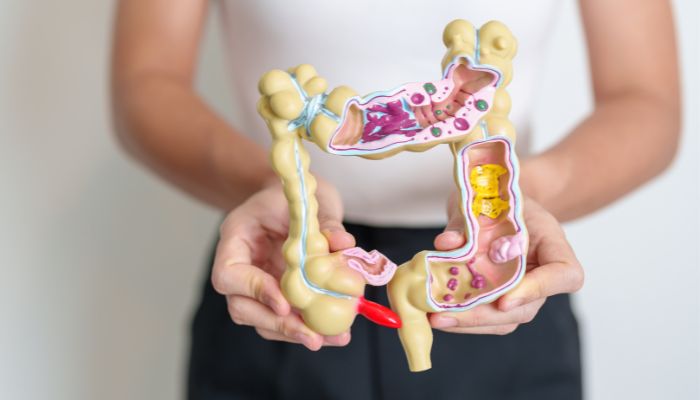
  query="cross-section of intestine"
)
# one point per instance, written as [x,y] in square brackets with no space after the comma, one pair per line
[493,257]
[417,112]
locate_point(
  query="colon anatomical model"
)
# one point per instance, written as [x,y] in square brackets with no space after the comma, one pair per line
[467,109]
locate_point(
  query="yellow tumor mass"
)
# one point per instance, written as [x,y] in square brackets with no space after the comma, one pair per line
[484,181]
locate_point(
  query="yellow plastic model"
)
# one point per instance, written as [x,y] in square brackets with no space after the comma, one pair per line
[467,109]
[484,181]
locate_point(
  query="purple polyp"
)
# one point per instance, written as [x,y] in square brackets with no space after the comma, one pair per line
[478,280]
[461,124]
[452,284]
[454,270]
[417,98]
[447,297]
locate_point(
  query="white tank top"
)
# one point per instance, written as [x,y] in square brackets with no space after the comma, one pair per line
[370,46]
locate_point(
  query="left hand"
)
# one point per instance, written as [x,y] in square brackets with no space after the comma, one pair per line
[249,263]
[552,268]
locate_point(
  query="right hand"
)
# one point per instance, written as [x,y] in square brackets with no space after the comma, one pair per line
[249,264]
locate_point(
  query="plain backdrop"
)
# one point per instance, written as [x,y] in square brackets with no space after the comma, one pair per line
[101,263]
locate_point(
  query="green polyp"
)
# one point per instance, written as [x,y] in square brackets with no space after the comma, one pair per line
[430,88]
[482,105]
[438,112]
[435,131]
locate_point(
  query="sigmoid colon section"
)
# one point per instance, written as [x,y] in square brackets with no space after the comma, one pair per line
[416,113]
[492,260]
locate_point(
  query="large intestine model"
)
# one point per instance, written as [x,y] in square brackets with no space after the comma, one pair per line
[468,110]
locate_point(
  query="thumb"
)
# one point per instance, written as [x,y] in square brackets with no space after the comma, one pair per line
[330,218]
[453,235]
[334,231]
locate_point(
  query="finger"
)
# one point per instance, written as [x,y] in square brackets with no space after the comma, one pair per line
[272,335]
[338,239]
[449,240]
[250,281]
[330,223]
[486,315]
[556,268]
[538,216]
[552,264]
[485,330]
[544,281]
[337,340]
[330,217]
[334,341]
[233,275]
[246,311]
[453,236]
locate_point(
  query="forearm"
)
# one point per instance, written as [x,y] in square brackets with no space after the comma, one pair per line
[633,132]
[627,140]
[160,119]
[164,124]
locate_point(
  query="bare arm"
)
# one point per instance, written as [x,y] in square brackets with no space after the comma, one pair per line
[160,119]
[633,132]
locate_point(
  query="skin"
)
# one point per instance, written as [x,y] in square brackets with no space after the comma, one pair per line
[249,264]
[637,108]
[162,122]
[159,118]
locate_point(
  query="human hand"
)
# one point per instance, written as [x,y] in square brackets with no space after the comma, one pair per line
[249,264]
[552,268]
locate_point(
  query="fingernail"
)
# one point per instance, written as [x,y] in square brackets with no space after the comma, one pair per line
[444,322]
[329,231]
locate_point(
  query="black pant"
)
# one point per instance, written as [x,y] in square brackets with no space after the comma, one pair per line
[539,361]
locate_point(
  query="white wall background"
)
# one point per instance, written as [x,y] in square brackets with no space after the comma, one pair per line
[100,263]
